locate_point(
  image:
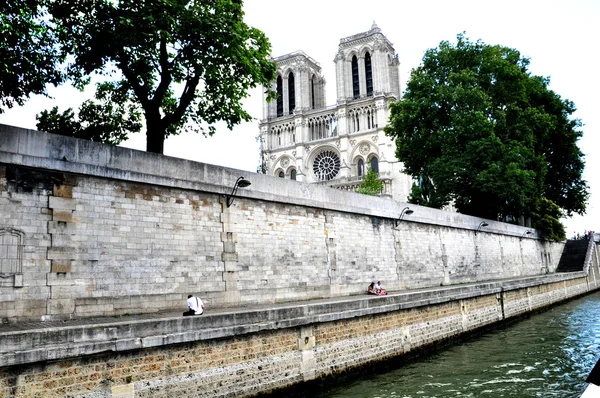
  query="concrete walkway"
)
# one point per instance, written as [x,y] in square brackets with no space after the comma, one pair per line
[30,342]
[327,302]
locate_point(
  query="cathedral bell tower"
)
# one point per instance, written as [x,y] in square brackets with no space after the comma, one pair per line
[299,86]
[366,65]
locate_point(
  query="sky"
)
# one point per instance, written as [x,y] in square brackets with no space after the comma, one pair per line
[559,37]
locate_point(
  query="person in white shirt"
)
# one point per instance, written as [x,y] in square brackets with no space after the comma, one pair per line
[380,291]
[195,306]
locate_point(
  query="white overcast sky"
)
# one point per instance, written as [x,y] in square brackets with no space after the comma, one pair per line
[560,37]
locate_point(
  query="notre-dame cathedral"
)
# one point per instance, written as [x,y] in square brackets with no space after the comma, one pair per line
[306,140]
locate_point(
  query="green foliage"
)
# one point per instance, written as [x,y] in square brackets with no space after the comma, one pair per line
[546,220]
[371,184]
[425,194]
[109,119]
[184,65]
[487,134]
[29,59]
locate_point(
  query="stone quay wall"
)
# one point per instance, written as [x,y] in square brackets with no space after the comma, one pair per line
[250,352]
[88,229]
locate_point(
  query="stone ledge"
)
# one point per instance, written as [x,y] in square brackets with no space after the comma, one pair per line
[35,345]
[30,148]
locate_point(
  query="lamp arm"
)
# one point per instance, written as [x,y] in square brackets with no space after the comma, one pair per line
[230,197]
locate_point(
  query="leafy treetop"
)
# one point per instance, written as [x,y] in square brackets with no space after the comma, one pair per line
[178,63]
[478,129]
[371,184]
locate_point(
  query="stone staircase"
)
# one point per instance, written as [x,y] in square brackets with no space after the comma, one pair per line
[574,256]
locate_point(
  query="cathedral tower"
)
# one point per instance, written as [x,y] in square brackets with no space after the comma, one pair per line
[299,86]
[305,140]
[366,64]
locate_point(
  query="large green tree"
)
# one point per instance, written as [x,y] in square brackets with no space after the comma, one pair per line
[181,64]
[486,134]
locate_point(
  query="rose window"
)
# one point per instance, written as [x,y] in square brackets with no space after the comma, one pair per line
[326,165]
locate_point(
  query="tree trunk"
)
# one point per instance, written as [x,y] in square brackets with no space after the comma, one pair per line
[155,136]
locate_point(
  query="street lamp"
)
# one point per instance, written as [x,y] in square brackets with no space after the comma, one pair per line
[481,225]
[241,182]
[406,211]
[528,232]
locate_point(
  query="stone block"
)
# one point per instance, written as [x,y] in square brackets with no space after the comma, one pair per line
[71,253]
[58,203]
[61,266]
[61,279]
[123,391]
[18,280]
[60,306]
[229,237]
[62,215]
[229,247]
[231,266]
[63,191]
[231,297]
[61,227]
[229,257]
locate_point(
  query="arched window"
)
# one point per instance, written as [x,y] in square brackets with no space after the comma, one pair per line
[355,85]
[291,93]
[281,174]
[368,74]
[375,165]
[293,174]
[361,167]
[293,134]
[369,120]
[279,138]
[279,96]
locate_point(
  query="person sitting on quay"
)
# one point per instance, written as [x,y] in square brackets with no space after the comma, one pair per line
[371,289]
[195,306]
[379,290]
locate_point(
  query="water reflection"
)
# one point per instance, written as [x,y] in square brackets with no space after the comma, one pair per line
[547,355]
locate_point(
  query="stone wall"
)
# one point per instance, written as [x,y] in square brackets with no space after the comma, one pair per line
[90,229]
[243,354]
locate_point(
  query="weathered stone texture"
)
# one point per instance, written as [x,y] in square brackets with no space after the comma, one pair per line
[255,362]
[111,231]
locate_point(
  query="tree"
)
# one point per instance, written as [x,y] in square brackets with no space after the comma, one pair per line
[371,184]
[146,52]
[425,194]
[28,55]
[488,135]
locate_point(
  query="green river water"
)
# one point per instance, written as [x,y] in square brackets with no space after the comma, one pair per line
[546,355]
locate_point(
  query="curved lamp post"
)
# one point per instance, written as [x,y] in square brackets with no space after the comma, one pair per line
[481,225]
[406,211]
[528,232]
[241,182]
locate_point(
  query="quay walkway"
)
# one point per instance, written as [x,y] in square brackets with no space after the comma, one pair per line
[29,342]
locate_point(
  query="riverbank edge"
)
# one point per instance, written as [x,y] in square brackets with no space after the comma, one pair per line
[225,354]
[365,370]
[39,341]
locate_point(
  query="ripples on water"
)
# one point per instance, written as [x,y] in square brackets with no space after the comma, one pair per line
[547,355]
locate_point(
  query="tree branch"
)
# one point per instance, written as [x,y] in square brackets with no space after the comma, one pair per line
[165,75]
[186,98]
[139,90]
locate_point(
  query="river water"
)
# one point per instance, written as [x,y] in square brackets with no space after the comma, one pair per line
[549,354]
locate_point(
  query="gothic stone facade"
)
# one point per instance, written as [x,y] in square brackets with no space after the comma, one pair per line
[305,140]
